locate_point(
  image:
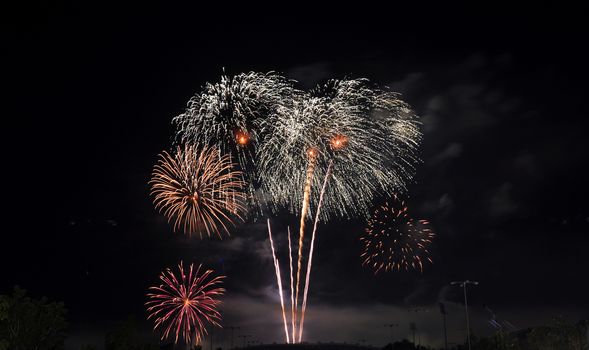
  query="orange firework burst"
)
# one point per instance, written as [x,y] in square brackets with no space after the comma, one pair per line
[338,142]
[183,303]
[242,138]
[199,190]
[395,241]
[312,153]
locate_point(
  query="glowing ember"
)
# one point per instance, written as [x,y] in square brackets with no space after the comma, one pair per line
[242,138]
[339,142]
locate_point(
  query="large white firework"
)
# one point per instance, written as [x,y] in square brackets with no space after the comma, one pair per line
[226,115]
[369,136]
[358,140]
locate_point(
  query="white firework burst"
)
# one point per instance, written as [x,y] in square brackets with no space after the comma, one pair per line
[226,115]
[368,135]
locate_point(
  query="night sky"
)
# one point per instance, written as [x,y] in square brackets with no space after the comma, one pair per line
[501,92]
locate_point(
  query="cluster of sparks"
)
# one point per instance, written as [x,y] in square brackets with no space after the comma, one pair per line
[184,302]
[199,190]
[324,153]
[394,241]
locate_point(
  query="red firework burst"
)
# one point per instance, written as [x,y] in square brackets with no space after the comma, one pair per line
[184,302]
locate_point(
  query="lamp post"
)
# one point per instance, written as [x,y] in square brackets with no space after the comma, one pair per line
[444,313]
[413,325]
[413,328]
[463,285]
[232,328]
[244,336]
[391,325]
[211,340]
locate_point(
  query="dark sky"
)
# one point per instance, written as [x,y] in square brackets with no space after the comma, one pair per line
[501,92]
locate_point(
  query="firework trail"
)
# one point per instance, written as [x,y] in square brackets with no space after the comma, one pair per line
[394,240]
[198,190]
[279,282]
[310,260]
[226,115]
[184,302]
[292,314]
[312,153]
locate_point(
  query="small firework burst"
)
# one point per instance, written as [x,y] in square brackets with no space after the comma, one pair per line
[184,302]
[198,190]
[394,240]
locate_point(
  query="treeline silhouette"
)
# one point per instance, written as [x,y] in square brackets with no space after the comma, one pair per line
[38,324]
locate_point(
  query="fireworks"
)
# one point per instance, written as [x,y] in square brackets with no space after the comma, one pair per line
[226,115]
[325,153]
[360,140]
[370,135]
[222,110]
[277,132]
[198,190]
[184,302]
[394,240]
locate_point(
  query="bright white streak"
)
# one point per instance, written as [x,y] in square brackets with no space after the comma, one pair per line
[292,312]
[279,281]
[304,211]
[310,260]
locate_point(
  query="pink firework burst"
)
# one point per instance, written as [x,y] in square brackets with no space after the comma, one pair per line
[184,302]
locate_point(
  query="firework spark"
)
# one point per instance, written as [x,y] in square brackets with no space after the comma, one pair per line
[198,190]
[394,240]
[184,302]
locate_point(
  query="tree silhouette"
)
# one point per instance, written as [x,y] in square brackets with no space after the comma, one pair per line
[31,324]
[127,336]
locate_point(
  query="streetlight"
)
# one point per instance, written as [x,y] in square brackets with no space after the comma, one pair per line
[211,340]
[413,328]
[463,284]
[232,328]
[413,325]
[444,313]
[244,336]
[391,325]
